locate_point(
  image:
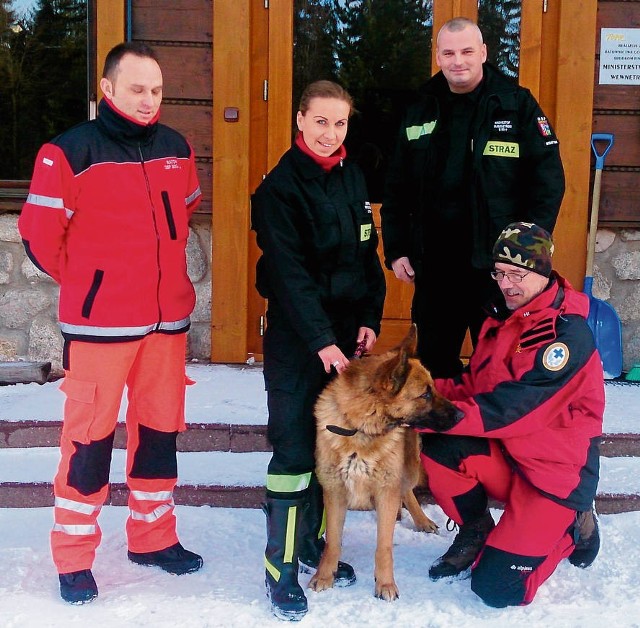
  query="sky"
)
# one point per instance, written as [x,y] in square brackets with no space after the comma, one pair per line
[229,590]
[21,6]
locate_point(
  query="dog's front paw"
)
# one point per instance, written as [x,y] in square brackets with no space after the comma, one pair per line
[387,591]
[321,583]
[426,525]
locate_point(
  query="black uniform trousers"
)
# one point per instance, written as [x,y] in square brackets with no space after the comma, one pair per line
[448,300]
[294,377]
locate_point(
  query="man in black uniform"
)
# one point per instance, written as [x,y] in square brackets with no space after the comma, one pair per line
[473,155]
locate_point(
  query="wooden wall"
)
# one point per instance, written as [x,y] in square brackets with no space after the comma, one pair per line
[616,109]
[182,35]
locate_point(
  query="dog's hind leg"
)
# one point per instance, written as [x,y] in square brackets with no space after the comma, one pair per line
[420,520]
[387,503]
[335,503]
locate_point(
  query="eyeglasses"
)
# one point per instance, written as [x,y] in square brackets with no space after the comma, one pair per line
[499,275]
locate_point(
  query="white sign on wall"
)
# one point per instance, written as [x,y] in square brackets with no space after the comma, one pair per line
[619,56]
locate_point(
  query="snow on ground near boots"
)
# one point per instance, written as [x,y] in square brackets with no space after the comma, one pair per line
[229,590]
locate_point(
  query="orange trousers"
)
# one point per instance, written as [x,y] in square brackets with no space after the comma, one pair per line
[153,371]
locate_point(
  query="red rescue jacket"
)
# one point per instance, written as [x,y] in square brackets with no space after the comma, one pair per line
[535,383]
[107,217]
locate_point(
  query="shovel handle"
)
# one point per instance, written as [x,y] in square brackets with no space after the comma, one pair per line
[595,201]
[601,137]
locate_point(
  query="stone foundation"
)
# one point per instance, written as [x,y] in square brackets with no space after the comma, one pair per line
[29,299]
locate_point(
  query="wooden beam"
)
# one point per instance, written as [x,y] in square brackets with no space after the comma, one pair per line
[574,104]
[230,214]
[280,79]
[110,31]
[531,46]
[24,372]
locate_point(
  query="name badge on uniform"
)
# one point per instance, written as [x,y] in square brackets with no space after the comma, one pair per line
[365,232]
[502,149]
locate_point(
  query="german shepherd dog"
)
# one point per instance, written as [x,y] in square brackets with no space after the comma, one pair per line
[367,455]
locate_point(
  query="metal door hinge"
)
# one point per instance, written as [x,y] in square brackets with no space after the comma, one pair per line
[265,90]
[545,5]
[266,4]
[262,325]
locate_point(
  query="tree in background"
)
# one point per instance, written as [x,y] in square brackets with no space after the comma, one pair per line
[13,37]
[383,52]
[499,21]
[313,44]
[44,61]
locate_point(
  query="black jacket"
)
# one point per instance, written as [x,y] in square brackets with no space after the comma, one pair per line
[515,172]
[319,243]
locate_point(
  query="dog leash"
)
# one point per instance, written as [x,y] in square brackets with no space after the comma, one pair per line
[336,429]
[359,352]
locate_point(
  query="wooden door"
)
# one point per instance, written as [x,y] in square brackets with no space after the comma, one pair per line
[558,73]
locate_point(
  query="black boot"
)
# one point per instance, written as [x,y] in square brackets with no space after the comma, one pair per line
[587,539]
[281,559]
[78,587]
[311,540]
[174,559]
[464,549]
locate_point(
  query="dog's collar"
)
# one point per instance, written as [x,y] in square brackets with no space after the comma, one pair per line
[342,431]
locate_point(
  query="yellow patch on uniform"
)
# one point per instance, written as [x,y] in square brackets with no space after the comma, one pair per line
[502,149]
[556,356]
[365,232]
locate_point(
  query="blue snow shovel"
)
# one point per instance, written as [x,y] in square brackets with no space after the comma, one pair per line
[603,319]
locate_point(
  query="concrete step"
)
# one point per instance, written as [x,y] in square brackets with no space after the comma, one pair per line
[198,436]
[227,479]
[225,437]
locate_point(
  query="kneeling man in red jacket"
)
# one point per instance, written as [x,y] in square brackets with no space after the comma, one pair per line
[533,403]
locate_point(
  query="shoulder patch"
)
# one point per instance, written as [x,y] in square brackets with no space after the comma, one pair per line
[543,127]
[556,356]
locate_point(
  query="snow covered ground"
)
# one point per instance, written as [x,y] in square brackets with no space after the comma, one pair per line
[229,590]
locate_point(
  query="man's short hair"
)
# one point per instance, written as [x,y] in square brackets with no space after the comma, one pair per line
[114,56]
[458,24]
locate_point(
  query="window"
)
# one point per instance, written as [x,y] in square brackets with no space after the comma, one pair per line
[43,80]
[380,52]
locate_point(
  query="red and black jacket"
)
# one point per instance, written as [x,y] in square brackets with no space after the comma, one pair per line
[107,217]
[535,383]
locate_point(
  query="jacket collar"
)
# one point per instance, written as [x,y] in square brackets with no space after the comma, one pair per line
[123,128]
[307,166]
[559,296]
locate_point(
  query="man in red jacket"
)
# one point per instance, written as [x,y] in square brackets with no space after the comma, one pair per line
[533,401]
[107,217]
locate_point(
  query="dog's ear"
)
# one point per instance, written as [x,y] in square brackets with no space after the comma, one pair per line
[392,374]
[410,342]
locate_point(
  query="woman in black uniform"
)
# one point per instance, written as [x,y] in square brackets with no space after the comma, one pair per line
[321,274]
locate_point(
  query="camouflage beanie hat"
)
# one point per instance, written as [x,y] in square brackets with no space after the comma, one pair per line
[525,245]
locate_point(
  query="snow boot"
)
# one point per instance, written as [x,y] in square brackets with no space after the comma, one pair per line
[312,526]
[287,598]
[464,550]
[78,587]
[586,533]
[174,559]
